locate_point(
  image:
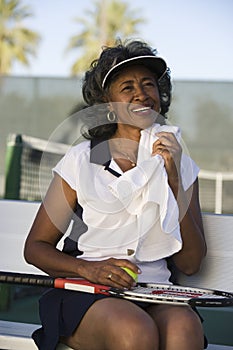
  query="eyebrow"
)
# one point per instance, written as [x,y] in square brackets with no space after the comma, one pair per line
[131,81]
[126,82]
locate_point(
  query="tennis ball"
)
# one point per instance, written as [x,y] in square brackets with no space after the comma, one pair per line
[131,273]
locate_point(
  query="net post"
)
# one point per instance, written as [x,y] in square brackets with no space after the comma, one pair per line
[13,166]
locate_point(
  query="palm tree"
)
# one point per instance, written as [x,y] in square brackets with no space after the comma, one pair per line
[16,41]
[109,20]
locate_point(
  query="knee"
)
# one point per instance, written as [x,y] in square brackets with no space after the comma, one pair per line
[187,320]
[137,334]
[185,326]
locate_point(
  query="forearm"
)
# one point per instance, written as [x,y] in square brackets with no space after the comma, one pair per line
[58,264]
[189,259]
[53,261]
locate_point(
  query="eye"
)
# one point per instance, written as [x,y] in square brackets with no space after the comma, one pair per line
[149,83]
[127,88]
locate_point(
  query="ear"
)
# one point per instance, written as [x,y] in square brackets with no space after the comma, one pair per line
[110,106]
[105,99]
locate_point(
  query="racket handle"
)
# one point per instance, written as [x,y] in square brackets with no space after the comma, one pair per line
[26,279]
[81,285]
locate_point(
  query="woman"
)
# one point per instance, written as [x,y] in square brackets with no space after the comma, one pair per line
[135,198]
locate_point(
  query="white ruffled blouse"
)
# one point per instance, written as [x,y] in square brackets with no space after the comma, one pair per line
[134,216]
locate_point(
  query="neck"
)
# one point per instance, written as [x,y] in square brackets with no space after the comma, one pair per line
[127,132]
[124,150]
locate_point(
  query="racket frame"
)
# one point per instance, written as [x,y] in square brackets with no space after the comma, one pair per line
[218,299]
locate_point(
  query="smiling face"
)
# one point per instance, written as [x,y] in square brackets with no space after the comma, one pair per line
[134,96]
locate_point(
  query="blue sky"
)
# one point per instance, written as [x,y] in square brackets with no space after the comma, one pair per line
[195,36]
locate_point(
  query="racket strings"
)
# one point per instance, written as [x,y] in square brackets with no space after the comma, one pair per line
[172,293]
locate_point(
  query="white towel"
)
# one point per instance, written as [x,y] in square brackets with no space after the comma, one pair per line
[144,192]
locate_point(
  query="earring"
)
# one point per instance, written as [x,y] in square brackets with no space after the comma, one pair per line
[111,116]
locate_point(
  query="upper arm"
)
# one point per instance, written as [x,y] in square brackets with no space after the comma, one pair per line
[55,213]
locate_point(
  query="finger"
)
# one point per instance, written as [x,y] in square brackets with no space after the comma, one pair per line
[166,138]
[165,134]
[120,280]
[108,273]
[127,263]
[158,149]
[157,142]
[126,274]
[166,142]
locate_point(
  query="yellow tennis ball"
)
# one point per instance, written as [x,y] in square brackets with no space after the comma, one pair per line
[131,273]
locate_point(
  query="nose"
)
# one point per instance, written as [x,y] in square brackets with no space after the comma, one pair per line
[140,94]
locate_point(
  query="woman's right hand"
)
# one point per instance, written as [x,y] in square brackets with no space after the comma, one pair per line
[110,272]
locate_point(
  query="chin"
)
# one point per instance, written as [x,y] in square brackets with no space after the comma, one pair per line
[146,122]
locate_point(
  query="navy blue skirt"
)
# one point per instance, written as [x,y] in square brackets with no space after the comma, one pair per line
[61,311]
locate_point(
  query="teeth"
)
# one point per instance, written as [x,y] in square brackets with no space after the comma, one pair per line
[141,109]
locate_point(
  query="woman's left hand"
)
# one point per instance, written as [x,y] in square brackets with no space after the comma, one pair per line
[169,148]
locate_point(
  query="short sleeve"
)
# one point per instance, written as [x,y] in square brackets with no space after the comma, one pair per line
[66,168]
[189,171]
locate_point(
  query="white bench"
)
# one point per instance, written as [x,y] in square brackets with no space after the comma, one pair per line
[16,218]
[17,336]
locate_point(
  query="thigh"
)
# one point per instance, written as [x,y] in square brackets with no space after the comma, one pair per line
[112,323]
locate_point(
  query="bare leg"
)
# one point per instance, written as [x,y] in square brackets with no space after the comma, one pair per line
[179,327]
[115,324]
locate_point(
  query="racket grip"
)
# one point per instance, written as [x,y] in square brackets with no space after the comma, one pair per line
[81,285]
[28,279]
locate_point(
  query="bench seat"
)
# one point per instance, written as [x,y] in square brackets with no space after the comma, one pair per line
[17,336]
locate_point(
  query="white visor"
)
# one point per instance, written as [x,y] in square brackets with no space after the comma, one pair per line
[154,63]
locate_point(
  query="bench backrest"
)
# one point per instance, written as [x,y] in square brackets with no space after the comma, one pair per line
[17,216]
[217,268]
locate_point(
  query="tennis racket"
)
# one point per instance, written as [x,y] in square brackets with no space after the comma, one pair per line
[146,292]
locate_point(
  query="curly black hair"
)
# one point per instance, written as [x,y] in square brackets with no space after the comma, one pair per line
[94,94]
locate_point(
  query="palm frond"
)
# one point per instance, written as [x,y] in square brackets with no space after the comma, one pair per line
[105,22]
[17,43]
